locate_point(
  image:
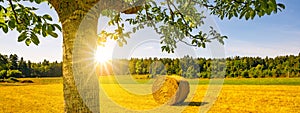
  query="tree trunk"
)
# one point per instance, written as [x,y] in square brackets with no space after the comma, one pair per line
[80,82]
[81,89]
[79,23]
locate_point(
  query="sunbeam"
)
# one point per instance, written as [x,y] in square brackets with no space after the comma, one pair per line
[103,54]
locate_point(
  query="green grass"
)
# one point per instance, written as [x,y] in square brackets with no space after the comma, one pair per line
[250,81]
[37,81]
[124,79]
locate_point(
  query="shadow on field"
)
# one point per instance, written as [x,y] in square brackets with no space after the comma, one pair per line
[192,104]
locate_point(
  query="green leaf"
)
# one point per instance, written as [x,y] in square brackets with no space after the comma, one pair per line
[44,33]
[47,17]
[53,34]
[12,24]
[50,28]
[247,16]
[38,1]
[22,37]
[34,39]
[120,43]
[57,26]
[4,28]
[203,45]
[28,41]
[44,27]
[134,29]
[252,14]
[230,16]
[281,5]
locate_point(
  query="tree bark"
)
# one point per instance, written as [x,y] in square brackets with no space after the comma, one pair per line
[74,85]
[80,83]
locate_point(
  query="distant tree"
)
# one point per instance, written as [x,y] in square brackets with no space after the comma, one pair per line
[23,67]
[29,67]
[191,72]
[157,68]
[3,62]
[55,69]
[13,62]
[13,73]
[245,74]
[132,64]
[3,74]
[139,67]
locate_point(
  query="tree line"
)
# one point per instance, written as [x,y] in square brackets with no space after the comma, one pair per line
[188,67]
[13,66]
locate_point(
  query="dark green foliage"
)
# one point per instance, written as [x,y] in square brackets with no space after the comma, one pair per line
[157,68]
[245,74]
[3,74]
[13,67]
[245,67]
[13,73]
[13,59]
[177,20]
[17,16]
[242,67]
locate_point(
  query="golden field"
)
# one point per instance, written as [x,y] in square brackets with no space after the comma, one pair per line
[46,95]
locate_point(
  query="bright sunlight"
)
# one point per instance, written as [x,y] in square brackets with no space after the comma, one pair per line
[103,54]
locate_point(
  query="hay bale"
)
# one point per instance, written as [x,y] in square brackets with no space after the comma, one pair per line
[170,90]
[27,81]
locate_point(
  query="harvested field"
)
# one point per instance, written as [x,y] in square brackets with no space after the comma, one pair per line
[233,98]
[46,96]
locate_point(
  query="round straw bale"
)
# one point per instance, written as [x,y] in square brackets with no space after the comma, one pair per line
[170,90]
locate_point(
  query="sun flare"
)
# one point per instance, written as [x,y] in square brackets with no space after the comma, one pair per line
[103,54]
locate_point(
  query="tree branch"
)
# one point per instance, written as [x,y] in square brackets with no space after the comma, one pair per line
[171,11]
[179,13]
[13,9]
[186,43]
[205,5]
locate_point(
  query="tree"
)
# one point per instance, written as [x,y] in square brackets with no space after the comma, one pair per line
[23,67]
[139,67]
[245,74]
[3,74]
[178,17]
[13,62]
[3,62]
[191,73]
[13,73]
[132,66]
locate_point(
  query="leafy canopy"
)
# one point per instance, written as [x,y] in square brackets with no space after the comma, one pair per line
[173,20]
[15,16]
[177,20]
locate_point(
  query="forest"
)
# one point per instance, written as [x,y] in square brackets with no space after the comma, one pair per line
[13,66]
[188,67]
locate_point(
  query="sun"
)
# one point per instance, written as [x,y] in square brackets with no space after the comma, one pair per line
[103,54]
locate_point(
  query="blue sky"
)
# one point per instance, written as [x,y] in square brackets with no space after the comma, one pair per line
[278,34]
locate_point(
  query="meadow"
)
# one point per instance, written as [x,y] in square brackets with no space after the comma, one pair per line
[128,94]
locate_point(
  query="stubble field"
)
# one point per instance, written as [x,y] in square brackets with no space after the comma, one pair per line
[118,96]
